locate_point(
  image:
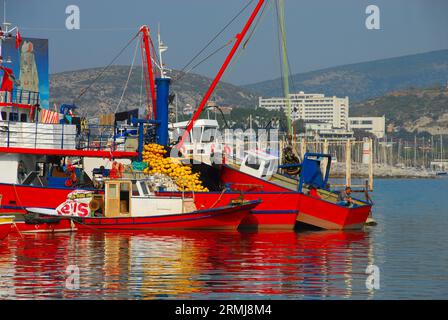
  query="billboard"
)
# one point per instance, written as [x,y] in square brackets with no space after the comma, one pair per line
[29,64]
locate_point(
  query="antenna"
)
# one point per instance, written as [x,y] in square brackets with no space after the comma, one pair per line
[5,33]
[162,49]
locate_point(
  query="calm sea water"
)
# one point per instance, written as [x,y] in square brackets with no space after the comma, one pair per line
[409,246]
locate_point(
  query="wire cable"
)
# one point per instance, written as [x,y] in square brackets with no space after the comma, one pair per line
[104,69]
[205,59]
[127,80]
[216,36]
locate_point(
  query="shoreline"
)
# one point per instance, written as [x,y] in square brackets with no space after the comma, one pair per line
[382,171]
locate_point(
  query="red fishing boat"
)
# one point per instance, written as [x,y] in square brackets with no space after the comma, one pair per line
[39,146]
[311,201]
[131,205]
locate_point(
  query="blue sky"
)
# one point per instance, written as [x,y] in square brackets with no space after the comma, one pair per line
[320,33]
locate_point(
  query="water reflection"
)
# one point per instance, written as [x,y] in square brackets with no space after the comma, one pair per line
[188,264]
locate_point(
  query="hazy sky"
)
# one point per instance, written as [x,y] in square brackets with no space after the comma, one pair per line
[320,33]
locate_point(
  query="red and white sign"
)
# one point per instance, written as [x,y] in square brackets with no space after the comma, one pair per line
[73,208]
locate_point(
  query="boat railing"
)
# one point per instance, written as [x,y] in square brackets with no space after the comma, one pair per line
[35,135]
[20,96]
[102,137]
[15,134]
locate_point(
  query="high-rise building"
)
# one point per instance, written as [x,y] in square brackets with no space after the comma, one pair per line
[312,107]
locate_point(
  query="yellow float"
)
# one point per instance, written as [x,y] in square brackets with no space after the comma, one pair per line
[154,156]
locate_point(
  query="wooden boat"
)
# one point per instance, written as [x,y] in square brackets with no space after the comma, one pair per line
[130,205]
[6,223]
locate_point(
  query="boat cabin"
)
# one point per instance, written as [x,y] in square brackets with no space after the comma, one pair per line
[203,137]
[259,164]
[137,198]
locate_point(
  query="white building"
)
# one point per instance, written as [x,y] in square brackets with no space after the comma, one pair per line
[374,125]
[312,107]
[324,130]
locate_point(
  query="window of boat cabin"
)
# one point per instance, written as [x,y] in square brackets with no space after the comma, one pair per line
[253,162]
[124,197]
[23,117]
[4,116]
[40,168]
[135,191]
[112,191]
[145,189]
[13,116]
[266,168]
[208,135]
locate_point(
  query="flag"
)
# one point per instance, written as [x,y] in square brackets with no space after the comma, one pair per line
[18,40]
[8,79]
[48,116]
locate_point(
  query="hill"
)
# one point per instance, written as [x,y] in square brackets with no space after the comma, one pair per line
[366,80]
[412,110]
[104,95]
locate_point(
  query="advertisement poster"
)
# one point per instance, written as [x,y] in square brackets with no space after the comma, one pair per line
[30,65]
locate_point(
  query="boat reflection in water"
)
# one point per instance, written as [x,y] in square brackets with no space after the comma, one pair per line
[188,264]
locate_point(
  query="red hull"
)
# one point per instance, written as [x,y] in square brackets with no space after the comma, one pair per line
[331,216]
[15,198]
[5,229]
[227,218]
[64,225]
[276,210]
[313,211]
[279,209]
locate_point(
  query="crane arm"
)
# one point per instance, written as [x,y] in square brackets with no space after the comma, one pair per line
[239,39]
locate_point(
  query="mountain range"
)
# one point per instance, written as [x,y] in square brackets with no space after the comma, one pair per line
[409,90]
[412,110]
[365,80]
[103,95]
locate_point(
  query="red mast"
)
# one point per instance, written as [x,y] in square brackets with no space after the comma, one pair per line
[145,36]
[239,39]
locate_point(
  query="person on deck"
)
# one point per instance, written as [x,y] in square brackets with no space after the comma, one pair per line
[345,198]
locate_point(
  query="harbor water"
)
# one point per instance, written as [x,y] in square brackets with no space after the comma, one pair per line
[407,251]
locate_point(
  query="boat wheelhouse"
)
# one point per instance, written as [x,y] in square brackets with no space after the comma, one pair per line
[203,139]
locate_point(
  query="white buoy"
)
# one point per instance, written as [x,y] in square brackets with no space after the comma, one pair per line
[366,152]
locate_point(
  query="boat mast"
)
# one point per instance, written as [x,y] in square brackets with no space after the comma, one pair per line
[285,65]
[145,36]
[239,39]
[162,48]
